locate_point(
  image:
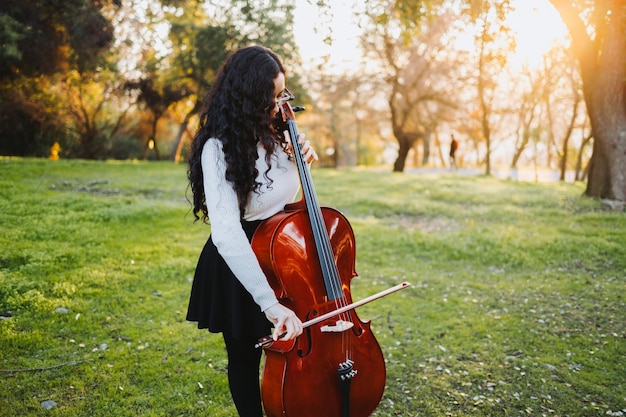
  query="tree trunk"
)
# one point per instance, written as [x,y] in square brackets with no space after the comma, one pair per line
[603,73]
[568,135]
[406,142]
[146,146]
[607,172]
[581,174]
[426,141]
[180,138]
[180,141]
[442,159]
[524,143]
[405,147]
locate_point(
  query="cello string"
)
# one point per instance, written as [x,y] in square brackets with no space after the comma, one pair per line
[325,253]
[322,241]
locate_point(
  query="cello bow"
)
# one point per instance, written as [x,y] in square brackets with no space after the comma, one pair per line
[266,340]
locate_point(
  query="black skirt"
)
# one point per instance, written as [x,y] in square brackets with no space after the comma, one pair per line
[218,302]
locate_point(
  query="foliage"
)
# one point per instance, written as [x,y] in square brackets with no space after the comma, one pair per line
[30,118]
[45,37]
[430,81]
[516,304]
[430,86]
[73,39]
[201,36]
[42,39]
[411,45]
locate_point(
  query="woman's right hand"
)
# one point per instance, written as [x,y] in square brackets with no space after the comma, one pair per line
[287,325]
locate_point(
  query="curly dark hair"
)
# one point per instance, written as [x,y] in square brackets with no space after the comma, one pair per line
[237,112]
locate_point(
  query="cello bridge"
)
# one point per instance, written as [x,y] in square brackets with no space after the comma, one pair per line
[339,326]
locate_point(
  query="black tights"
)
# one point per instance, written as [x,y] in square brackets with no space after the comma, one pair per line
[243,375]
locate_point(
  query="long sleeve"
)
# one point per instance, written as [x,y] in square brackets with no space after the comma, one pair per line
[226,230]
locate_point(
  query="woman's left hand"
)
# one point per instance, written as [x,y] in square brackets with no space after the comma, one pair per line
[308,153]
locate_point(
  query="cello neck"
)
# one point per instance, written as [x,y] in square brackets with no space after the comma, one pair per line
[332,281]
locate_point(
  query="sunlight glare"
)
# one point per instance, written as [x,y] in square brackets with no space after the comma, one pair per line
[537,27]
[536,24]
[310,30]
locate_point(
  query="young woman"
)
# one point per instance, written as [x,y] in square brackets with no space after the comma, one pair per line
[240,173]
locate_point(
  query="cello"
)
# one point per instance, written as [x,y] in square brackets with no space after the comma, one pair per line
[335,368]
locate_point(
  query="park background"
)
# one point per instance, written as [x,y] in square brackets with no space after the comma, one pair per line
[533,84]
[516,260]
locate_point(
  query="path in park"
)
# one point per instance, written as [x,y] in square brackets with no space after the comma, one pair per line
[520,174]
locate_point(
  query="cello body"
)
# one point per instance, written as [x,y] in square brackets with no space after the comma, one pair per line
[330,370]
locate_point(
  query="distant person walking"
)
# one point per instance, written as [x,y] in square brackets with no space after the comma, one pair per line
[454,145]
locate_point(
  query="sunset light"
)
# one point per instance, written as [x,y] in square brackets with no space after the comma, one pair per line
[189,189]
[536,24]
[538,27]
[311,29]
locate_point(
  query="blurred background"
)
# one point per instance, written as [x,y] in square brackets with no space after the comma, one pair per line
[386,84]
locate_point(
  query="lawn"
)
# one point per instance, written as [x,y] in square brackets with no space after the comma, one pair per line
[516,306]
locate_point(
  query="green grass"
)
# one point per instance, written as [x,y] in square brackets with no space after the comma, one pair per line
[516,306]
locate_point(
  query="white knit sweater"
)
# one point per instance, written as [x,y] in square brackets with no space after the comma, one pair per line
[223,211]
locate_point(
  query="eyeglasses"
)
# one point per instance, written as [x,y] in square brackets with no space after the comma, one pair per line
[285,96]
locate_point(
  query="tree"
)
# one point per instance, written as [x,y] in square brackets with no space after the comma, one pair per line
[199,49]
[598,32]
[156,100]
[29,117]
[45,37]
[94,107]
[549,109]
[202,34]
[527,114]
[343,120]
[412,52]
[492,40]
[41,39]
[562,95]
